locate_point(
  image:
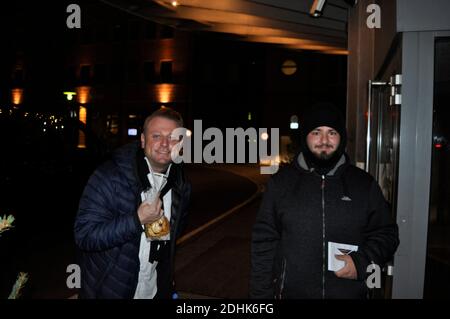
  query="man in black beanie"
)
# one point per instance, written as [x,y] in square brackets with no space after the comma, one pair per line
[325,147]
[322,221]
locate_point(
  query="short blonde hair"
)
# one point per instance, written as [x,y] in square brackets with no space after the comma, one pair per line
[166,113]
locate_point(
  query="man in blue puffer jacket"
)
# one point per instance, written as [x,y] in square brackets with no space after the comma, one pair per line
[117,258]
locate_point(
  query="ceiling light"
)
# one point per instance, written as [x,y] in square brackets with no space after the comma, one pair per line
[317,8]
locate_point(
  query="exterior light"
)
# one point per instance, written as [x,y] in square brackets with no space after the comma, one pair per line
[317,8]
[165,92]
[289,67]
[17,96]
[264,136]
[69,95]
[83,114]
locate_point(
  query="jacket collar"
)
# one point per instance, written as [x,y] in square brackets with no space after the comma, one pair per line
[343,161]
[130,159]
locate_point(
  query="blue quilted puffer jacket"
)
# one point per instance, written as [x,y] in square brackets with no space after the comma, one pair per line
[107,229]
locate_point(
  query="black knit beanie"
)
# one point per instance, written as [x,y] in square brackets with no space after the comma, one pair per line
[322,114]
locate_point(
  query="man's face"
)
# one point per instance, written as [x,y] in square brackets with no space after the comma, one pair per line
[323,142]
[157,142]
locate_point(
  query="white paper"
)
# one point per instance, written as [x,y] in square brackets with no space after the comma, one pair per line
[157,181]
[338,249]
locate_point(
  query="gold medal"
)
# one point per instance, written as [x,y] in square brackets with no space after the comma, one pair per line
[158,228]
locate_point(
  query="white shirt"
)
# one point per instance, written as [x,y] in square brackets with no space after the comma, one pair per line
[146,287]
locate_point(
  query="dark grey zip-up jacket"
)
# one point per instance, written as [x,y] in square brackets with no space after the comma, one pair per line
[300,213]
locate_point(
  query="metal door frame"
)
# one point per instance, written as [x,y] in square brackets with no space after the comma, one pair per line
[389,86]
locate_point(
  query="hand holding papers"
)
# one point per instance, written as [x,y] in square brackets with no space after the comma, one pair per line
[338,249]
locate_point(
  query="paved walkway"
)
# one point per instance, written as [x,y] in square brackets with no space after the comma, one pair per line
[216,262]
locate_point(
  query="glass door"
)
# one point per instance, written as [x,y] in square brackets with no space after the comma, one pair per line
[383,163]
[437,269]
[382,151]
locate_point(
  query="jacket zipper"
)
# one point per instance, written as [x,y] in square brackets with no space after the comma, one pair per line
[323,236]
[283,278]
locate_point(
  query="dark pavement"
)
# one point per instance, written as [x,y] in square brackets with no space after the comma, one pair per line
[214,191]
[216,263]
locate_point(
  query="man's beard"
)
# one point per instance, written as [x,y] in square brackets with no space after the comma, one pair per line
[323,155]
